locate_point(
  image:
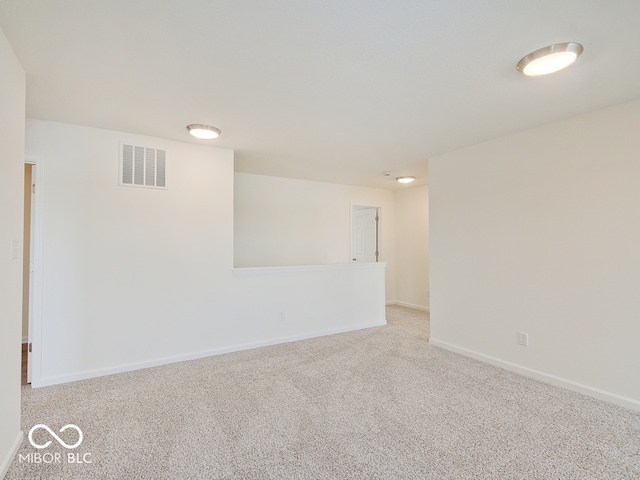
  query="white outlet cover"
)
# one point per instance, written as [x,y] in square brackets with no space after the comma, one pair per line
[523,339]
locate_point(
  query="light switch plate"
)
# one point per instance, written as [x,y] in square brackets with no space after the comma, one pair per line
[15,249]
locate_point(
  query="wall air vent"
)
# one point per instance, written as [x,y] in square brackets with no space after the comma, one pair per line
[142,166]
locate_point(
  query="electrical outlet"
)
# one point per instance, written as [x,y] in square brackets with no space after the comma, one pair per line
[523,339]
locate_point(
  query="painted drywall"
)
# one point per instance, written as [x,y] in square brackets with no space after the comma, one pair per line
[281,221]
[298,302]
[128,273]
[538,232]
[134,277]
[412,247]
[12,111]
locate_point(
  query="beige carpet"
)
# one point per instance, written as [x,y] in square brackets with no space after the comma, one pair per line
[379,403]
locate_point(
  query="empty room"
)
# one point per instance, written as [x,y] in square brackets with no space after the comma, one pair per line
[319,239]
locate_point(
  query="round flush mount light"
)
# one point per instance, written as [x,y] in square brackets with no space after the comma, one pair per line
[203,132]
[550,59]
[405,179]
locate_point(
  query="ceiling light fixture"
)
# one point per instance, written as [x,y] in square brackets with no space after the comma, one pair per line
[405,179]
[550,59]
[203,132]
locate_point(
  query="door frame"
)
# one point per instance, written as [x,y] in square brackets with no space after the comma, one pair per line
[34,362]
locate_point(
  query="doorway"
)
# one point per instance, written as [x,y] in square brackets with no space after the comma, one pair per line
[27,268]
[365,243]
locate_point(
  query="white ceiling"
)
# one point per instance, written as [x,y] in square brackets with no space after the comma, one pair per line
[337,91]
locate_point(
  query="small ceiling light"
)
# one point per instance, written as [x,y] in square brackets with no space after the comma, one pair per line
[405,179]
[204,132]
[550,59]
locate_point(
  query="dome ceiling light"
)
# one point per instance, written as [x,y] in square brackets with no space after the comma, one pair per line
[405,179]
[550,59]
[203,132]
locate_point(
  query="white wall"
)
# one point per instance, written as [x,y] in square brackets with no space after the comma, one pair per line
[290,303]
[128,273]
[540,232]
[136,277]
[412,247]
[280,221]
[12,105]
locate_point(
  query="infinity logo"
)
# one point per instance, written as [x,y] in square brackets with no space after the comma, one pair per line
[75,427]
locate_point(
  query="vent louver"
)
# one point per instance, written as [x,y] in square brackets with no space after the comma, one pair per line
[142,166]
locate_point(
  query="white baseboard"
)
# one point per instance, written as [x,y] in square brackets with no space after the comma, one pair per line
[45,382]
[409,305]
[626,402]
[6,462]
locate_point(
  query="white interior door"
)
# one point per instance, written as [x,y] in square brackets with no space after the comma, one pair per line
[365,234]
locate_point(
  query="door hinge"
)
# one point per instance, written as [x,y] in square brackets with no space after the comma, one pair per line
[30,347]
[33,188]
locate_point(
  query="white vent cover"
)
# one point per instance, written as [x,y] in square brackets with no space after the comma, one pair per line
[142,166]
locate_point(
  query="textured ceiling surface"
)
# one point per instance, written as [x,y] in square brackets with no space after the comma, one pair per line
[336,91]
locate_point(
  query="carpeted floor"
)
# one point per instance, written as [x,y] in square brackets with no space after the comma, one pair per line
[379,403]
